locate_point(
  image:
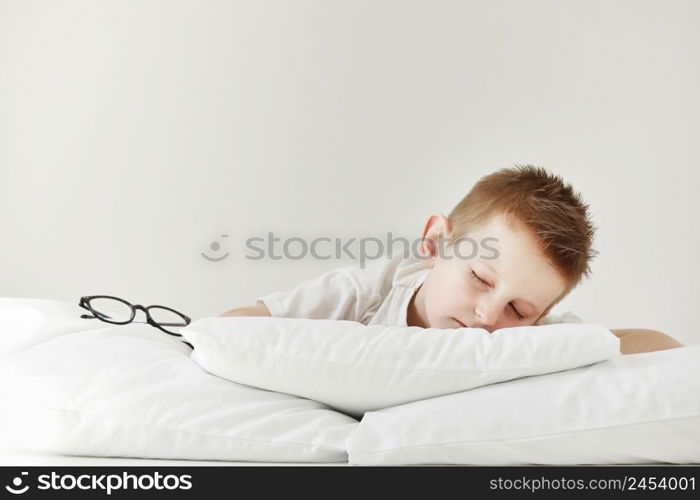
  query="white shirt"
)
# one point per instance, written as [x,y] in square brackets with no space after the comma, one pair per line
[379,294]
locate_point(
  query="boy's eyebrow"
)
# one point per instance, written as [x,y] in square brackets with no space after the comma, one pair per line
[525,301]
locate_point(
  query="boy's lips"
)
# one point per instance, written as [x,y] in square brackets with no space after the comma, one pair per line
[462,325]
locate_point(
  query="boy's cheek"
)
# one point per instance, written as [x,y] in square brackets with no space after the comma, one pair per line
[446,305]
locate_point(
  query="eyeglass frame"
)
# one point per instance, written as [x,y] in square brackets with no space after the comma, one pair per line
[85,304]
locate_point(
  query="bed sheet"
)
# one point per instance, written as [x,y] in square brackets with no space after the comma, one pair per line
[17,457]
[31,458]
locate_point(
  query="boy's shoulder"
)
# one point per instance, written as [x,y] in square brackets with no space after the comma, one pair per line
[381,275]
[352,292]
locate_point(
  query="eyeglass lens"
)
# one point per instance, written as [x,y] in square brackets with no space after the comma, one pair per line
[111,309]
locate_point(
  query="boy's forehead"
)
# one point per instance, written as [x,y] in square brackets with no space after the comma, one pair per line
[508,236]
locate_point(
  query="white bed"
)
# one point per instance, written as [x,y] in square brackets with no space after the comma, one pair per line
[35,458]
[19,457]
[77,392]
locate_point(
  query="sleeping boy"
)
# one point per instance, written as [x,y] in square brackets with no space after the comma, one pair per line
[534,241]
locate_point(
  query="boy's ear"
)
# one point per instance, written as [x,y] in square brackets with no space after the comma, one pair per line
[436,234]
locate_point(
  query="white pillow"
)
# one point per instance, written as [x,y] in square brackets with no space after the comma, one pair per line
[131,391]
[28,322]
[355,368]
[640,408]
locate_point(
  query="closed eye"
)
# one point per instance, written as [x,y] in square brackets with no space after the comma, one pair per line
[477,277]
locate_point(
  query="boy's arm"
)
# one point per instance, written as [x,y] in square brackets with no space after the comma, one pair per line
[259,309]
[636,340]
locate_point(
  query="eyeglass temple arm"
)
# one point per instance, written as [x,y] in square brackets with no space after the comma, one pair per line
[87,316]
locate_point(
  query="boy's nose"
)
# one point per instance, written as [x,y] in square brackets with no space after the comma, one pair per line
[487,317]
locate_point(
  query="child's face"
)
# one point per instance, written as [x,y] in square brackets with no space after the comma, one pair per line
[518,275]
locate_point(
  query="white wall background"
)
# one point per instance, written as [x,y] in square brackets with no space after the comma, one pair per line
[134,133]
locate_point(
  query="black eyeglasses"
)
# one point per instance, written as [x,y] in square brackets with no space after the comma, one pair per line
[120,312]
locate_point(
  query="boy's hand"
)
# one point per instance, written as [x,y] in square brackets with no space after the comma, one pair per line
[636,340]
[259,309]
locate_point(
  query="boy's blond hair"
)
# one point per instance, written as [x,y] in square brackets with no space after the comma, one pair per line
[541,202]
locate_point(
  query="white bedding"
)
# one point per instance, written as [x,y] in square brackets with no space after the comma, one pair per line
[18,457]
[638,408]
[355,368]
[125,391]
[76,392]
[35,458]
